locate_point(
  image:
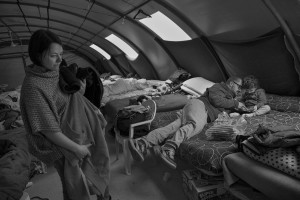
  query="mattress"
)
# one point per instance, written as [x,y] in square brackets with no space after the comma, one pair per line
[207,155]
[273,183]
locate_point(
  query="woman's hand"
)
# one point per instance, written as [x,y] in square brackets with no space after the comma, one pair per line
[254,108]
[82,151]
[82,86]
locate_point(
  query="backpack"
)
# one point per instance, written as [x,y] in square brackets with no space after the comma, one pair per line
[130,115]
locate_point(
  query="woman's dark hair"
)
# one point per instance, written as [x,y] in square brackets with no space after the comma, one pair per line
[39,42]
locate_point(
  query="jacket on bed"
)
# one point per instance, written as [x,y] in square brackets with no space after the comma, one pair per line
[217,99]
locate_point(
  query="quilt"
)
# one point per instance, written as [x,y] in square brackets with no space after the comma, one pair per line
[207,155]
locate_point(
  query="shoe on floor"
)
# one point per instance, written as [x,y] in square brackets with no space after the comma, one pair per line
[137,149]
[168,156]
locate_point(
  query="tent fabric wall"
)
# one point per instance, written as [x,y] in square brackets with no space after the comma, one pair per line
[266,57]
[123,64]
[12,72]
[194,56]
[105,66]
[143,68]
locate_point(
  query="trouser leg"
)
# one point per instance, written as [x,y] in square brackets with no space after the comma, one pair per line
[159,135]
[194,118]
[262,110]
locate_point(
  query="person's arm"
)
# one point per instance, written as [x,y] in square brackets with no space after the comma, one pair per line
[222,99]
[61,140]
[261,98]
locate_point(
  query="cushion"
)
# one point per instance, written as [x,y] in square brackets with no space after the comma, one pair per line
[284,103]
[197,84]
[189,91]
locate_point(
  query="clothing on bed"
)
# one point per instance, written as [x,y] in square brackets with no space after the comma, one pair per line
[10,110]
[14,163]
[131,87]
[267,138]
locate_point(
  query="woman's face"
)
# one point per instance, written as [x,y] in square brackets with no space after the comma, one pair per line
[51,59]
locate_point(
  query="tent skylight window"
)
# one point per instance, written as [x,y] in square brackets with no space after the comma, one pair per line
[130,52]
[165,27]
[101,51]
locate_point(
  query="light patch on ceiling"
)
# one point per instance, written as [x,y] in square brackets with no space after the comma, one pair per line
[130,52]
[165,27]
[101,51]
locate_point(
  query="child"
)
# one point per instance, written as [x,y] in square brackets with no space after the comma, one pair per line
[254,97]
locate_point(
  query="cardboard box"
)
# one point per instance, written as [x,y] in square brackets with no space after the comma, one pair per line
[198,186]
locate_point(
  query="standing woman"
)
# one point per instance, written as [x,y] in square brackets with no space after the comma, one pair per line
[58,128]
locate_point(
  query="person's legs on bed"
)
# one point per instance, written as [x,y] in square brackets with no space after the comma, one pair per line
[260,111]
[194,119]
[263,110]
[138,147]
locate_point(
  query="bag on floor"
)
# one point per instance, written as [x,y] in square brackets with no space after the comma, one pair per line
[130,115]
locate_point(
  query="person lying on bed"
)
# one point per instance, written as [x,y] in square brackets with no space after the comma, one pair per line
[49,116]
[191,120]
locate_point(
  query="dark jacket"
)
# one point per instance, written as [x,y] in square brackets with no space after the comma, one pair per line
[258,98]
[217,99]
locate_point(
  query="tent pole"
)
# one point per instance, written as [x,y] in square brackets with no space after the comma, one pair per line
[285,28]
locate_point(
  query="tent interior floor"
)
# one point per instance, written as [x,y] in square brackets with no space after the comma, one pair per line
[146,181]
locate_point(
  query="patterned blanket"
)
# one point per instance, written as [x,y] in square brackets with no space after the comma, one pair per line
[207,155]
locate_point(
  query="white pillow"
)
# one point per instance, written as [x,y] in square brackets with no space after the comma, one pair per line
[190,91]
[198,85]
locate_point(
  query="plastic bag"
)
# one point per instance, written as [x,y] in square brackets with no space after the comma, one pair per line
[226,128]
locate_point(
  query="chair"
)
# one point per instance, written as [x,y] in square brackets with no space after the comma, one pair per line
[123,140]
